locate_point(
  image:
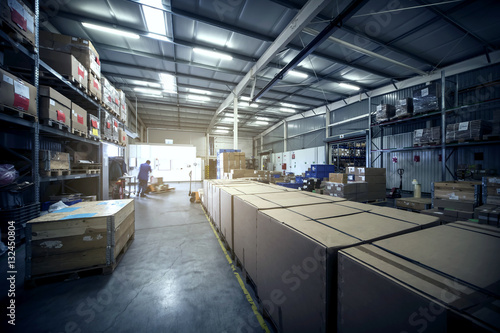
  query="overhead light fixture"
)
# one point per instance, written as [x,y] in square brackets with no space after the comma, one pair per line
[199,91]
[348,86]
[298,74]
[168,82]
[221,131]
[263,118]
[198,98]
[247,104]
[110,30]
[159,37]
[146,84]
[260,122]
[288,105]
[149,91]
[228,120]
[287,110]
[245,98]
[155,20]
[212,54]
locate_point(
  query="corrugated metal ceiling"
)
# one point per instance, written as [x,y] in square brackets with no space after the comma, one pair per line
[421,35]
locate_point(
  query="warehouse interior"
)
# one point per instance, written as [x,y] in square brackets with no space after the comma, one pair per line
[310,163]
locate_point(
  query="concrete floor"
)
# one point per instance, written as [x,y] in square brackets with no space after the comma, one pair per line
[174,278]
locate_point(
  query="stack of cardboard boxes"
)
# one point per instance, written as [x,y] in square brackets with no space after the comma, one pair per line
[357,184]
[19,18]
[467,130]
[489,212]
[385,112]
[228,159]
[427,136]
[404,108]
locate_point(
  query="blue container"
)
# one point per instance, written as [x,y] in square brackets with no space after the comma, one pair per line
[299,179]
[291,185]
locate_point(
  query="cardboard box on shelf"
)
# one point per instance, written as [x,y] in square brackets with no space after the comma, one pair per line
[83,50]
[404,107]
[53,160]
[95,88]
[106,125]
[338,178]
[17,94]
[67,65]
[94,126]
[55,106]
[426,99]
[78,118]
[413,271]
[114,127]
[385,112]
[20,18]
[122,137]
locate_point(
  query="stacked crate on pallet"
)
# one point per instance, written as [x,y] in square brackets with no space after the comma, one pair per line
[54,163]
[106,125]
[17,96]
[68,66]
[404,108]
[107,95]
[87,235]
[385,112]
[426,99]
[427,136]
[78,120]
[122,137]
[18,19]
[489,212]
[115,130]
[467,131]
[123,106]
[94,127]
[55,108]
[455,200]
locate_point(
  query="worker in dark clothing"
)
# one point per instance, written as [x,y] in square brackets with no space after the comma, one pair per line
[143,176]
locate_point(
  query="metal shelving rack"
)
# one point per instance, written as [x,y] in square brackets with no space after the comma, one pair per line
[441,114]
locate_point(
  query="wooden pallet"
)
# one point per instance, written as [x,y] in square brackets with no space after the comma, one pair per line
[94,96]
[424,145]
[16,36]
[404,116]
[79,273]
[87,165]
[55,124]
[86,171]
[372,202]
[76,83]
[54,173]
[79,133]
[476,139]
[18,113]
[491,137]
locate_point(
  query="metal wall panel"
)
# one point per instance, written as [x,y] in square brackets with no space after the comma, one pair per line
[349,111]
[274,135]
[300,126]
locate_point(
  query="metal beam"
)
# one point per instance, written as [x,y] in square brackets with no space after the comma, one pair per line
[320,38]
[309,11]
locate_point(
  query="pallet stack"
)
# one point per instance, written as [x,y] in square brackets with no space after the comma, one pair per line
[86,236]
[21,100]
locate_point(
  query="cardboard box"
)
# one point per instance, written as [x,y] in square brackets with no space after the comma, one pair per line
[114,127]
[78,118]
[66,65]
[123,106]
[385,112]
[362,171]
[95,88]
[54,106]
[17,94]
[106,125]
[338,178]
[87,234]
[446,273]
[426,99]
[94,126]
[20,18]
[53,160]
[414,203]
[404,107]
[82,49]
[227,214]
[297,261]
[122,137]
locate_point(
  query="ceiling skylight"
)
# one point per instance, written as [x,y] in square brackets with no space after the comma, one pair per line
[155,18]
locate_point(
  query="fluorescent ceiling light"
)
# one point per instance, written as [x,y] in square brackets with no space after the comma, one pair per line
[110,30]
[199,91]
[260,122]
[168,82]
[246,104]
[212,54]
[263,118]
[348,86]
[289,105]
[155,20]
[245,98]
[149,91]
[287,110]
[159,37]
[298,74]
[228,120]
[221,131]
[147,84]
[199,98]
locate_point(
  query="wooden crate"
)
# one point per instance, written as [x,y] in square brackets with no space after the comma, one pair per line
[87,235]
[53,160]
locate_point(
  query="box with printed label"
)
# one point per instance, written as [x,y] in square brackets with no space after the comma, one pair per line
[94,127]
[16,93]
[404,107]
[384,112]
[114,127]
[123,106]
[67,65]
[54,106]
[95,88]
[19,17]
[78,119]
[106,125]
[122,136]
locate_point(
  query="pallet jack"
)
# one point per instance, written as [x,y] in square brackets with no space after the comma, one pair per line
[192,195]
[396,192]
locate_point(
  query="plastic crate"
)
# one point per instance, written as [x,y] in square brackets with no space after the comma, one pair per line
[15,195]
[323,168]
[291,185]
[20,216]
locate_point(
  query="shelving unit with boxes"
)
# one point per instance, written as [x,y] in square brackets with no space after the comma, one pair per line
[58,115]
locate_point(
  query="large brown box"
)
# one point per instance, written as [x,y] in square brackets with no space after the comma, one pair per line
[464,196]
[54,106]
[297,257]
[81,49]
[67,65]
[414,203]
[16,93]
[106,125]
[78,119]
[94,126]
[19,17]
[114,127]
[338,178]
[95,88]
[53,160]
[441,279]
[122,137]
[85,235]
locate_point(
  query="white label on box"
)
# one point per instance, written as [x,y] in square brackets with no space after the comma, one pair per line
[74,39]
[425,92]
[52,102]
[16,6]
[453,196]
[339,188]
[8,79]
[21,89]
[463,126]
[402,102]
[419,133]
[30,22]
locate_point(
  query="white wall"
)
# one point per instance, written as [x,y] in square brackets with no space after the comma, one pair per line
[199,140]
[302,161]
